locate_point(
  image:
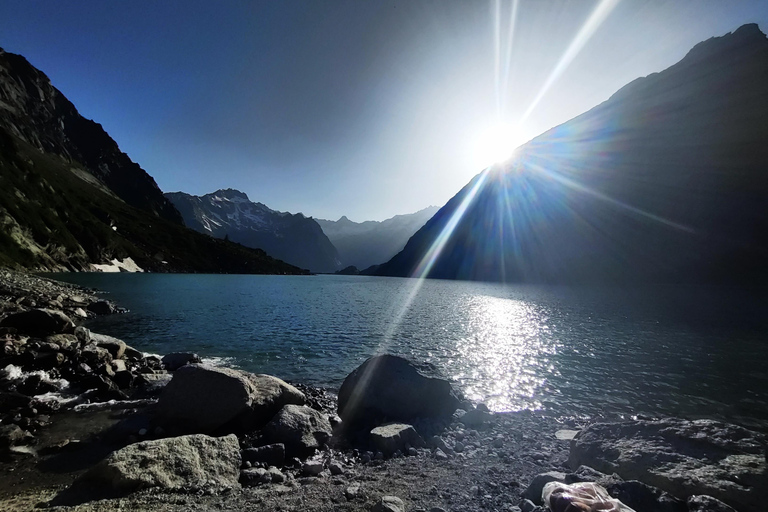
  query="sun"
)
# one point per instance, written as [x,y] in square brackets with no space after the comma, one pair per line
[496,144]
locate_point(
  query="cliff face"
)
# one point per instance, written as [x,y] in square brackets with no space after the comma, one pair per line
[69,198]
[667,181]
[294,238]
[363,244]
[34,111]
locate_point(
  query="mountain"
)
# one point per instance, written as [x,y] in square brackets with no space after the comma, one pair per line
[666,181]
[229,213]
[363,244]
[69,198]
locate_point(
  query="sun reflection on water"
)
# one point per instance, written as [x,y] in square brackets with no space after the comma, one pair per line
[506,354]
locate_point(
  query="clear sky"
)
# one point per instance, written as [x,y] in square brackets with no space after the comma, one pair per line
[361,108]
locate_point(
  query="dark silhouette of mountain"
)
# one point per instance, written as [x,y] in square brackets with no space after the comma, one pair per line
[70,198]
[294,238]
[34,111]
[666,181]
[363,244]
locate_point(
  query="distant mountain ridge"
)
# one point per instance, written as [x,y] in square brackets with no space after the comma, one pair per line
[667,181]
[363,244]
[69,198]
[229,213]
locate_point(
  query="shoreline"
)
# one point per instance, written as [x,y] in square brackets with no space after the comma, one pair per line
[465,464]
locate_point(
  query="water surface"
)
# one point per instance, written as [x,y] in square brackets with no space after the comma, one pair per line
[687,351]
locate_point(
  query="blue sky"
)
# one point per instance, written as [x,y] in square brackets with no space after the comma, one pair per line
[364,109]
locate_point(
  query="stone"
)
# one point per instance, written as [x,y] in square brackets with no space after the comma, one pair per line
[703,503]
[300,428]
[12,435]
[101,307]
[188,463]
[392,437]
[271,454]
[390,388]
[114,346]
[39,322]
[66,342]
[255,476]
[640,496]
[533,492]
[95,355]
[202,398]
[352,491]
[389,504]
[270,395]
[176,360]
[681,457]
[476,417]
[440,454]
[565,435]
[312,467]
[335,468]
[80,312]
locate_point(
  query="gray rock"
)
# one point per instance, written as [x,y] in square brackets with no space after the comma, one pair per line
[527,506]
[703,503]
[95,355]
[12,435]
[392,437]
[300,428]
[389,504]
[255,476]
[440,454]
[190,463]
[565,435]
[681,457]
[276,475]
[640,496]
[202,399]
[176,360]
[271,454]
[476,417]
[101,307]
[312,467]
[270,395]
[352,492]
[39,322]
[336,468]
[114,346]
[391,388]
[533,492]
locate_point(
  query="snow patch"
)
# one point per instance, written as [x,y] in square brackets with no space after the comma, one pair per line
[127,265]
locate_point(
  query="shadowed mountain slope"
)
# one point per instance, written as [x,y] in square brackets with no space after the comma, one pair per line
[229,213]
[363,244]
[70,198]
[667,181]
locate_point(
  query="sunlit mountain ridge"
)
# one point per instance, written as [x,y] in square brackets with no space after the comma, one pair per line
[666,181]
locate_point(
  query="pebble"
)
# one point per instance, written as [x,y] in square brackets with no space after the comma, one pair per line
[352,491]
[312,468]
[335,468]
[440,454]
[389,504]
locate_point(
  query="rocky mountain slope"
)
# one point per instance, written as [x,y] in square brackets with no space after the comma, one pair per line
[363,244]
[229,213]
[667,181]
[70,198]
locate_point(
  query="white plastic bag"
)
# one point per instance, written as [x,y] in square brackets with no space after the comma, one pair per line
[580,497]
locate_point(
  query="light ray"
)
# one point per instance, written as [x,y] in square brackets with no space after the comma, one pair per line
[589,28]
[510,39]
[497,52]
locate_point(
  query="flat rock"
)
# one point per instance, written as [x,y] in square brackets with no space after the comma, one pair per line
[390,388]
[684,458]
[190,463]
[300,428]
[270,395]
[39,322]
[392,437]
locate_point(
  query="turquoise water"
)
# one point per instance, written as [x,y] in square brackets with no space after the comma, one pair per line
[693,352]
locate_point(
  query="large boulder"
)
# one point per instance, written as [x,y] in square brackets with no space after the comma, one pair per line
[39,322]
[300,428]
[176,360]
[204,399]
[681,457]
[188,463]
[390,388]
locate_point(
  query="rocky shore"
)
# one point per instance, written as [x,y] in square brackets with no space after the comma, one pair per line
[89,423]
